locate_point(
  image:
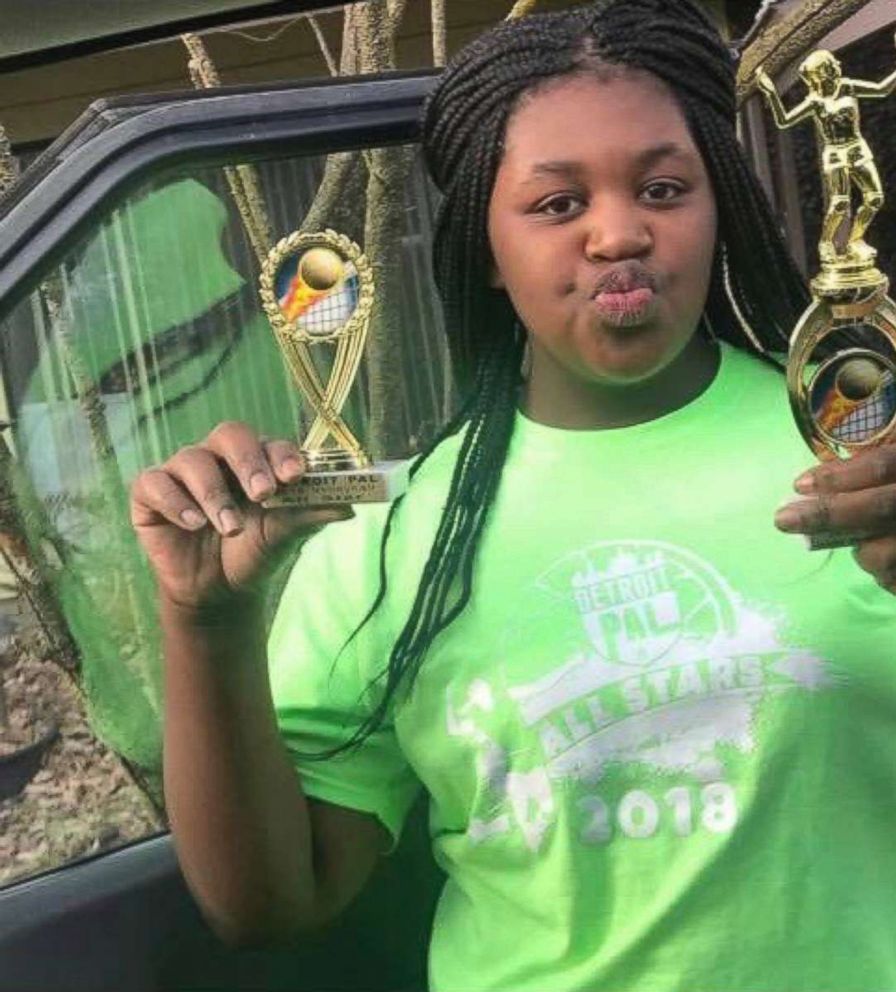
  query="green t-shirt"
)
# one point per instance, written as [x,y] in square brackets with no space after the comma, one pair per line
[659,742]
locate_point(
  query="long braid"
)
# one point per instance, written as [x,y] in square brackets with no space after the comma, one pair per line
[464,124]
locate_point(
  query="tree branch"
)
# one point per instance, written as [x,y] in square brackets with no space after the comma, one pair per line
[324,47]
[521,8]
[439,34]
[9,172]
[782,43]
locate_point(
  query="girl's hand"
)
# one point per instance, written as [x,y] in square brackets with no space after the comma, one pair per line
[850,502]
[199,521]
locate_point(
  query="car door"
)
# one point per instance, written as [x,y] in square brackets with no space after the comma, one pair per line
[130,322]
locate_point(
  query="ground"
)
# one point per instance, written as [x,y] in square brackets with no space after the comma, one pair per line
[83,799]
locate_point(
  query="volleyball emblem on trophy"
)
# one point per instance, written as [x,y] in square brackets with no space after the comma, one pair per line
[317,291]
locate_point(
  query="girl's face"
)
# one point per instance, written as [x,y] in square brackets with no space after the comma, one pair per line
[602,225]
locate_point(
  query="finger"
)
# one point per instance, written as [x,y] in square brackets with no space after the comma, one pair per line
[878,558]
[866,470]
[243,452]
[286,460]
[208,483]
[156,496]
[863,514]
[279,524]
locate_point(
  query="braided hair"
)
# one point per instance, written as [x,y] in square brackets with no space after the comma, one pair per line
[464,124]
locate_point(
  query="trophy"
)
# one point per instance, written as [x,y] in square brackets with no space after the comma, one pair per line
[843,398]
[317,291]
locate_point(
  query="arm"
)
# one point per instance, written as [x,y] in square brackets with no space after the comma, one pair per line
[783,118]
[263,862]
[862,88]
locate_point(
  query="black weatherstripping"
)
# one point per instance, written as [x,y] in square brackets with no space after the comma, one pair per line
[120,144]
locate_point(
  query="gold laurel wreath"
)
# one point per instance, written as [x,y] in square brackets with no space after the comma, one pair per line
[349,339]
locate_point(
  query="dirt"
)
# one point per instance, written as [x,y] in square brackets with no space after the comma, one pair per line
[82,800]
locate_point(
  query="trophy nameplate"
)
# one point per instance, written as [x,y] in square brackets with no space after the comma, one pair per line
[318,292]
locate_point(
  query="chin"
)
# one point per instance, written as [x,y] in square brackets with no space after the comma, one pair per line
[628,360]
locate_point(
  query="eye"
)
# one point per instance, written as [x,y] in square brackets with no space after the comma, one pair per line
[662,191]
[559,205]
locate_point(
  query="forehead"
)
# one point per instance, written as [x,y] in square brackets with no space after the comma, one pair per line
[585,118]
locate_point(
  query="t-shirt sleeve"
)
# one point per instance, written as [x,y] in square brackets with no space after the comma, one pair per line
[323,688]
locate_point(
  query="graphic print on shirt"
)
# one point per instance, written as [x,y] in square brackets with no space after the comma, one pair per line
[664,670]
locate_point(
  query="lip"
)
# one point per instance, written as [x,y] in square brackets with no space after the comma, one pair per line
[626,295]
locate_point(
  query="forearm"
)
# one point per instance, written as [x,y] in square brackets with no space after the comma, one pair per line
[777,108]
[240,821]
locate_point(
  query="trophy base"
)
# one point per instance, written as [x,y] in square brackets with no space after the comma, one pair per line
[845,277]
[381,482]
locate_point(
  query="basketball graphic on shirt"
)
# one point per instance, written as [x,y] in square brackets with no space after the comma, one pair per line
[638,600]
[664,673]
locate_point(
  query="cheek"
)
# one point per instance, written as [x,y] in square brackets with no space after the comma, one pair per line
[507,257]
[694,245]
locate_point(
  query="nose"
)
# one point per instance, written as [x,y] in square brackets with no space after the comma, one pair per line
[616,231]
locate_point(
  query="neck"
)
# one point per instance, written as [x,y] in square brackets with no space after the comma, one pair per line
[555,398]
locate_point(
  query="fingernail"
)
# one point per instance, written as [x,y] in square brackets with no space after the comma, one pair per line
[787,518]
[292,465]
[230,521]
[259,484]
[192,518]
[805,483]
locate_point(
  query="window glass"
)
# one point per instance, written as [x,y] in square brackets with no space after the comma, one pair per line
[147,334]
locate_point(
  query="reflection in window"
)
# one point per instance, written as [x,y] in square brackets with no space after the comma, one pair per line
[148,334]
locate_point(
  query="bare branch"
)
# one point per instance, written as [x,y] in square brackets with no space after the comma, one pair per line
[324,47]
[439,34]
[784,42]
[242,179]
[202,69]
[521,8]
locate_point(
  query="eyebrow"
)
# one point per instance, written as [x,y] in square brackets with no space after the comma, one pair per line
[644,159]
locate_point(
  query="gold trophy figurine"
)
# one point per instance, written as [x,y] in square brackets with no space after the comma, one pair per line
[317,291]
[845,401]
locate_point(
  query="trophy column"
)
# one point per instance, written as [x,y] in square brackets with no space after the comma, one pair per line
[317,291]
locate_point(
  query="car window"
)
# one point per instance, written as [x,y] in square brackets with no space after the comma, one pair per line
[146,334]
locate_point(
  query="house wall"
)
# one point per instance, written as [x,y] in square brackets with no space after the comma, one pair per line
[37,104]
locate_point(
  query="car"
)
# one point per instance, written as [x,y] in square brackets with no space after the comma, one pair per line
[126,268]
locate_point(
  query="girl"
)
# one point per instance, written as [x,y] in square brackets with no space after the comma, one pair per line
[654,731]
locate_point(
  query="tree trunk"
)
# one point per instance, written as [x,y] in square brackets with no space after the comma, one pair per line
[384,226]
[29,565]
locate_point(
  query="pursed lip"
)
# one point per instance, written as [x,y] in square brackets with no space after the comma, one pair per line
[625,277]
[625,295]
